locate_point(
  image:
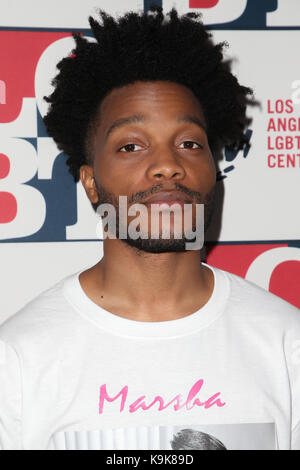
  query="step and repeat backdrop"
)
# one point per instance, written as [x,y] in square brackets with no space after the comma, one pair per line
[47,226]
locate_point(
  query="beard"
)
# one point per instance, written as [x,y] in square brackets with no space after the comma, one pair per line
[159,245]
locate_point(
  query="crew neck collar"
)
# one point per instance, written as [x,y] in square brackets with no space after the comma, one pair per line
[120,326]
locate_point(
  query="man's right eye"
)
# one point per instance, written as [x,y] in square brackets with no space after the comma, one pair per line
[129,148]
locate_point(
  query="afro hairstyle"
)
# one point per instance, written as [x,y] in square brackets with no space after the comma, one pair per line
[143,46]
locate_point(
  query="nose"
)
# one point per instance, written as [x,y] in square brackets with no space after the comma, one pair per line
[165,164]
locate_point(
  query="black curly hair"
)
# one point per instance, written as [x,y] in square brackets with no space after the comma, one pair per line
[143,47]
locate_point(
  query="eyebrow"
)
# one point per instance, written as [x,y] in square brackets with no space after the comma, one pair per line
[134,119]
[192,119]
[139,118]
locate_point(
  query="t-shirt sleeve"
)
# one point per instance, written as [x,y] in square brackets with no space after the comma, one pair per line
[10,398]
[293,362]
[295,381]
[296,437]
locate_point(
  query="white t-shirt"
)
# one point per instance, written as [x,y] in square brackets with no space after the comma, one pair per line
[75,376]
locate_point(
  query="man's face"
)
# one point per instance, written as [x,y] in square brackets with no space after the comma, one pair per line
[151,138]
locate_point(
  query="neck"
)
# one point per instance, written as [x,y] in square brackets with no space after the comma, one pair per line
[145,286]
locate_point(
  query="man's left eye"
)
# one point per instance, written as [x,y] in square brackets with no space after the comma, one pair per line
[190,144]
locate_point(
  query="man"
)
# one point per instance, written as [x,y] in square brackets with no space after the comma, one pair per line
[149,336]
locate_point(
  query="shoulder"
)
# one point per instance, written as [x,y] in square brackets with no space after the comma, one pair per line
[42,316]
[247,298]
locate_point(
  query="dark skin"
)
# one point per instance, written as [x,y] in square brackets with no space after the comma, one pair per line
[131,283]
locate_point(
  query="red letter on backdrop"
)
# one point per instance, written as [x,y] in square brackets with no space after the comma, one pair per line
[8,203]
[202,3]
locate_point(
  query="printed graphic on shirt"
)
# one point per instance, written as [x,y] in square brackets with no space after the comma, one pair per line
[248,436]
[158,402]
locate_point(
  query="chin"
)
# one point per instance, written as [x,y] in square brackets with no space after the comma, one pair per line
[157,246]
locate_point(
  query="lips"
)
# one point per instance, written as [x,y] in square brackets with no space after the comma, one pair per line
[168,197]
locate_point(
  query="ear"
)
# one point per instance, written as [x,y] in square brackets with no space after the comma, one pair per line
[88,181]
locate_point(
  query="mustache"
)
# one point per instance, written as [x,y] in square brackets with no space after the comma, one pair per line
[140,195]
[106,196]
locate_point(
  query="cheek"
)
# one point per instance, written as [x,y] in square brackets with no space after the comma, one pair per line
[212,171]
[113,176]
[105,172]
[205,174]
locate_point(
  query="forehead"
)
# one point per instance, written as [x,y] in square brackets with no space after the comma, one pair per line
[156,99]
